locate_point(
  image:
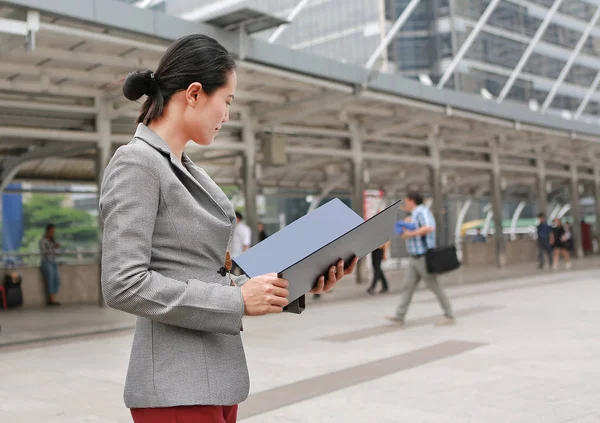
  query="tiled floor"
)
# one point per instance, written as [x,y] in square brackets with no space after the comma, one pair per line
[524,349]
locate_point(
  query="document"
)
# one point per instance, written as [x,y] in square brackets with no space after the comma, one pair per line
[306,249]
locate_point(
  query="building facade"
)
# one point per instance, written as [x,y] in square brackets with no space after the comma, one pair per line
[350,30]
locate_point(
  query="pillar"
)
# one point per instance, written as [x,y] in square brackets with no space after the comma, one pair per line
[249,174]
[357,184]
[496,189]
[576,212]
[542,195]
[437,190]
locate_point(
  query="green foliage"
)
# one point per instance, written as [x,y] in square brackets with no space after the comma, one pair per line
[73,227]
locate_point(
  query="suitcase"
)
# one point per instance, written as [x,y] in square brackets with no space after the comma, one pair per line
[13,290]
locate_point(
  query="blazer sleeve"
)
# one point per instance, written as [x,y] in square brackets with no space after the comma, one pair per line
[129,201]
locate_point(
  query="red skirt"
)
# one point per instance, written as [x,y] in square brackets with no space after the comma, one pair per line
[186,414]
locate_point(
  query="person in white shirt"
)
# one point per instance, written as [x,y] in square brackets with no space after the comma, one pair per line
[242,237]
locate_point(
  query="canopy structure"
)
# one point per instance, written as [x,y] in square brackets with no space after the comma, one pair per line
[299,121]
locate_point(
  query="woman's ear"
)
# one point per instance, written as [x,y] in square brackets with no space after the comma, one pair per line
[194,94]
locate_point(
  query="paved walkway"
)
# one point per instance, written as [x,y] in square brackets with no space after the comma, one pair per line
[35,325]
[524,349]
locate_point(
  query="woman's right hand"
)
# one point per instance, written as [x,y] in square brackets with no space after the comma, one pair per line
[265,294]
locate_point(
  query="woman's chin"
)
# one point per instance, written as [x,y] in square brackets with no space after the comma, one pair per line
[204,141]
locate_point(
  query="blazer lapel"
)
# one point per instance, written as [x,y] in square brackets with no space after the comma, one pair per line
[190,173]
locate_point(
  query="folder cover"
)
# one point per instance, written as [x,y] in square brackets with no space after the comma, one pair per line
[306,248]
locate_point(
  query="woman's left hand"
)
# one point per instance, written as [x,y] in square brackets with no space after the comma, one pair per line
[336,273]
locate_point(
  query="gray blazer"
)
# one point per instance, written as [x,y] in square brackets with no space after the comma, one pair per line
[167,226]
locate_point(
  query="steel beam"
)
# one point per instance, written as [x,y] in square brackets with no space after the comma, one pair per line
[99,36]
[530,47]
[565,71]
[9,167]
[467,44]
[410,7]
[459,222]
[290,18]
[588,97]
[326,190]
[53,107]
[515,219]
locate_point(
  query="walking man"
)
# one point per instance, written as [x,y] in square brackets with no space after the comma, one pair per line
[417,244]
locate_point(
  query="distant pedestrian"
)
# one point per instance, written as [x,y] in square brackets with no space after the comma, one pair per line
[560,239]
[48,250]
[262,234]
[479,238]
[417,244]
[242,238]
[544,235]
[378,256]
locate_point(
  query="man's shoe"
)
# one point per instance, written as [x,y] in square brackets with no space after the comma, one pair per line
[395,320]
[445,321]
[371,291]
[384,291]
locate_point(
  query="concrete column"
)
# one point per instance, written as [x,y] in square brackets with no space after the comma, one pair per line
[497,205]
[358,185]
[103,154]
[437,204]
[576,212]
[437,190]
[249,173]
[597,201]
[542,195]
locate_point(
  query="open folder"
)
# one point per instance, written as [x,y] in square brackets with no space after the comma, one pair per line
[306,249]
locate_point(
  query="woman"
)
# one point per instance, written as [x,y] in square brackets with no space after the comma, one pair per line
[167,226]
[49,266]
[558,240]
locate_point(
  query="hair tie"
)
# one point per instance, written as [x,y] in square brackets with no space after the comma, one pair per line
[153,85]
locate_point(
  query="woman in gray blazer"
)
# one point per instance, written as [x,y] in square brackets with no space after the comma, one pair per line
[167,226]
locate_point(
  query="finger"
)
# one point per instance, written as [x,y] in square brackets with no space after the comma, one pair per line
[278,301]
[320,285]
[331,280]
[280,292]
[329,285]
[340,270]
[352,266]
[274,309]
[281,283]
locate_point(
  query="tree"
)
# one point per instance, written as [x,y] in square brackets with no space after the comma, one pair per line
[73,227]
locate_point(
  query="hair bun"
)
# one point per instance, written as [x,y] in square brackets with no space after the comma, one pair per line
[139,83]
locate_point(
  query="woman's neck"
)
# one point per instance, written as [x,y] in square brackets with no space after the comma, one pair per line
[170,131]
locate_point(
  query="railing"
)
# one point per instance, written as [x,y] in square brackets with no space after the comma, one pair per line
[66,256]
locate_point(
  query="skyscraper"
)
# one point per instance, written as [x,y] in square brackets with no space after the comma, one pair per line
[555,77]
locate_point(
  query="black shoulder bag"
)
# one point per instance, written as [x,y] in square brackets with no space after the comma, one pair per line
[440,259]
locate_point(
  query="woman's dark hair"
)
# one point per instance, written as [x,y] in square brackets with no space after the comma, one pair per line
[193,58]
[415,196]
[49,226]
